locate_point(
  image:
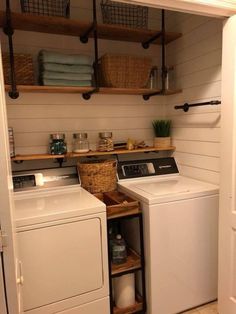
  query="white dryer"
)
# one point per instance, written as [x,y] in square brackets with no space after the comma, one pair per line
[62,242]
[180,233]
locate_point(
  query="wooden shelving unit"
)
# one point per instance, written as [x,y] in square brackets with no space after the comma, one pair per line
[91,153]
[81,90]
[133,263]
[63,26]
[137,307]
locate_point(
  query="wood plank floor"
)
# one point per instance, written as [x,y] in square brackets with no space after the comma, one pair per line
[205,309]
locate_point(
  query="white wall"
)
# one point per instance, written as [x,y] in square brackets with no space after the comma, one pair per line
[197,61]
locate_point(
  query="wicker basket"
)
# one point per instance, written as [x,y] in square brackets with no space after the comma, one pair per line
[98,176]
[46,7]
[124,71]
[129,15]
[24,70]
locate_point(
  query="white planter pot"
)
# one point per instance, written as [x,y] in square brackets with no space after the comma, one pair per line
[162,142]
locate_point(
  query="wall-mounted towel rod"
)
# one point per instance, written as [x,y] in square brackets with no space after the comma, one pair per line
[186,106]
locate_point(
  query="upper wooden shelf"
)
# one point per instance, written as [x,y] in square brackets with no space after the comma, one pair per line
[90,153]
[81,90]
[63,26]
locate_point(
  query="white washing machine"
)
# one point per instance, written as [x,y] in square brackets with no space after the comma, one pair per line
[62,243]
[180,233]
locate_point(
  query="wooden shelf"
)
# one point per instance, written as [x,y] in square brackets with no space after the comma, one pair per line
[81,90]
[91,153]
[138,306]
[133,263]
[63,26]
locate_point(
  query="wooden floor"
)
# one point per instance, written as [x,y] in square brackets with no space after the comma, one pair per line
[205,309]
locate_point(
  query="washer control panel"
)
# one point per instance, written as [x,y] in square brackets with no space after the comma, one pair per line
[144,168]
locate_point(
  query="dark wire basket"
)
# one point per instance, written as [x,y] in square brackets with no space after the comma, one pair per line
[46,7]
[129,15]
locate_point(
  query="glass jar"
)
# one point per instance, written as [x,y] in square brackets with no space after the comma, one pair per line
[105,143]
[80,143]
[57,144]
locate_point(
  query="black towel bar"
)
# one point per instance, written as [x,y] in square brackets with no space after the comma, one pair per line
[186,106]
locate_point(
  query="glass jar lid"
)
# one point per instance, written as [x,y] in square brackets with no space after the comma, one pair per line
[105,134]
[57,136]
[80,136]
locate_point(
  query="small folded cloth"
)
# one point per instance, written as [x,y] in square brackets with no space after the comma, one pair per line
[66,76]
[54,82]
[46,56]
[66,68]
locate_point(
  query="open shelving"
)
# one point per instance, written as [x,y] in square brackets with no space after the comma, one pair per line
[81,90]
[133,263]
[70,27]
[90,153]
[135,308]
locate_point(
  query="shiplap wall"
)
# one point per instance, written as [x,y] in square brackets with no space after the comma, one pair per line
[197,61]
[35,116]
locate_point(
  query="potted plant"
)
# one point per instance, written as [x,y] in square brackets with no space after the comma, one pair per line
[162,133]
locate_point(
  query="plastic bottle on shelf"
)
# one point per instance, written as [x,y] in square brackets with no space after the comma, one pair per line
[119,252]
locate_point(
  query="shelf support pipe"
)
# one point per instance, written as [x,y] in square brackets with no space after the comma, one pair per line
[8,30]
[163,58]
[146,44]
[93,28]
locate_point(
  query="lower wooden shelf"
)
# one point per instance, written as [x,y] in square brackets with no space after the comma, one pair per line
[81,90]
[133,263]
[90,153]
[137,307]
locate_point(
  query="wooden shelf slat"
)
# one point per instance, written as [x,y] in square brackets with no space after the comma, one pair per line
[133,262]
[91,153]
[36,157]
[81,90]
[63,26]
[138,306]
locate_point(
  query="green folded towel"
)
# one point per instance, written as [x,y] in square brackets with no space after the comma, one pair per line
[66,68]
[66,76]
[55,57]
[65,83]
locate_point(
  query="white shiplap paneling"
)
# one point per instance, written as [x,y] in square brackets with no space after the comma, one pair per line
[197,61]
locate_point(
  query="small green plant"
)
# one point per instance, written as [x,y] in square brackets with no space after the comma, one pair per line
[161,128]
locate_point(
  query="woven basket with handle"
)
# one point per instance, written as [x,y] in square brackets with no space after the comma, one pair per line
[124,71]
[24,70]
[98,176]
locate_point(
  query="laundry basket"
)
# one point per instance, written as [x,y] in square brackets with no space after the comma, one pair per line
[98,176]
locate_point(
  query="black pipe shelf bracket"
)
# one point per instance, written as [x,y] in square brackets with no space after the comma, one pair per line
[9,31]
[146,44]
[186,106]
[84,40]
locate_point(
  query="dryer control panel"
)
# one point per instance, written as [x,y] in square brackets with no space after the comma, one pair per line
[148,167]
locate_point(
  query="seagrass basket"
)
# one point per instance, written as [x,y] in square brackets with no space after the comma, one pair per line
[24,70]
[125,71]
[98,176]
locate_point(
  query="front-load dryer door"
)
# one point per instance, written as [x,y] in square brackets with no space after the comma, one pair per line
[63,264]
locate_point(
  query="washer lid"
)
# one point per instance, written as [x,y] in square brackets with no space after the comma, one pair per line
[54,204]
[154,190]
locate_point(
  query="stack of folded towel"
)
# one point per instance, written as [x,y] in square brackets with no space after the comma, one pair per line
[57,69]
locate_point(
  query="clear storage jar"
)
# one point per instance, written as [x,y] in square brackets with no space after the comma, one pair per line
[57,144]
[80,143]
[105,143]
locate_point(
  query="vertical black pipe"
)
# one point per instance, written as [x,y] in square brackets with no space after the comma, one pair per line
[163,51]
[95,44]
[8,30]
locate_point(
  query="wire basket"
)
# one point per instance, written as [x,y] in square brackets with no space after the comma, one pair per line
[129,15]
[46,7]
[124,71]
